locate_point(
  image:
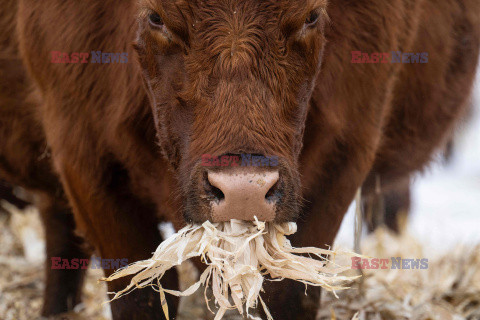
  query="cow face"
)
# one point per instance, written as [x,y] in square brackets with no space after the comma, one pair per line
[232,78]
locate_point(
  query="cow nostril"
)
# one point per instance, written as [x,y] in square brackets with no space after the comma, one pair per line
[273,194]
[215,193]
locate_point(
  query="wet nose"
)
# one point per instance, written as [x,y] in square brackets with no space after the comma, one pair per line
[243,193]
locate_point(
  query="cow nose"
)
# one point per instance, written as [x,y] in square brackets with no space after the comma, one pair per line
[243,193]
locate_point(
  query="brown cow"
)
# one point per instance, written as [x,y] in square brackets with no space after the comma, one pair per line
[220,77]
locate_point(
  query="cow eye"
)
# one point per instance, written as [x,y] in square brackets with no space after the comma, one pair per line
[155,20]
[312,18]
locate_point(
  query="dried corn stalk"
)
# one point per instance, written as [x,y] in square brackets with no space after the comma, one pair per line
[239,255]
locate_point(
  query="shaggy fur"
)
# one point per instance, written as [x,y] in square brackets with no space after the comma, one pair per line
[223,77]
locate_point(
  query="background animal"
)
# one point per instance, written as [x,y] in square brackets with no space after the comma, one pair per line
[110,150]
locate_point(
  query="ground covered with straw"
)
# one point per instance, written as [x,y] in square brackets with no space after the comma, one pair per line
[448,289]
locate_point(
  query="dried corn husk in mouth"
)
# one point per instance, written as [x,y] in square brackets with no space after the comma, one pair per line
[238,255]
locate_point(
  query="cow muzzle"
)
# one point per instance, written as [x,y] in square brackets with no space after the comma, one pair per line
[243,193]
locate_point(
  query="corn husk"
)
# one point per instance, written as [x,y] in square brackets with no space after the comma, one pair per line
[239,256]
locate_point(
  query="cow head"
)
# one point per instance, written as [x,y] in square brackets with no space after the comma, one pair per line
[232,78]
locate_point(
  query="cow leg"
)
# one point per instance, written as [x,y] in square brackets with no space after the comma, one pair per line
[63,286]
[290,300]
[388,206]
[120,226]
[397,208]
